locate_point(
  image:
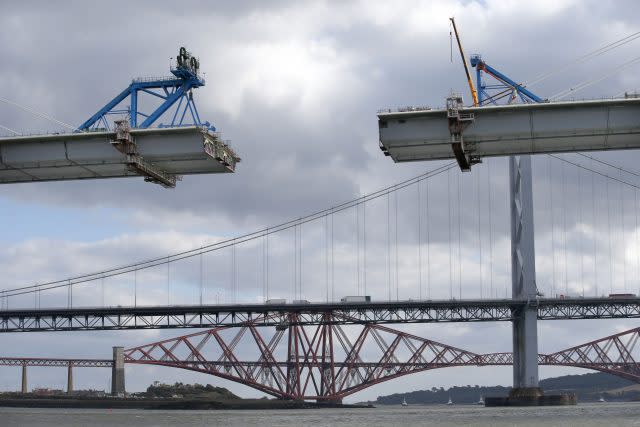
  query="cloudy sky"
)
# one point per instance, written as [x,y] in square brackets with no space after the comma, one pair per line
[295,86]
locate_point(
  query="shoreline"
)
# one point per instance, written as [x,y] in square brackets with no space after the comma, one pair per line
[164,404]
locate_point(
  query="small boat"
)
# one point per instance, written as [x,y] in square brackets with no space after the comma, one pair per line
[601,399]
[404,402]
[481,401]
[450,402]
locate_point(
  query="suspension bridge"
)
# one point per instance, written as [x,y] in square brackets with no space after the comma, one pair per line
[403,244]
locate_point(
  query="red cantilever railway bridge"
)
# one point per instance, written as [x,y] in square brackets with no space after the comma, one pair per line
[328,362]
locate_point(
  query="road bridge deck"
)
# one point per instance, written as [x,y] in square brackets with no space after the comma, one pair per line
[502,130]
[89,155]
[207,316]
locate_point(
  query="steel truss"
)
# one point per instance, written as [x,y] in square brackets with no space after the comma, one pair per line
[292,361]
[71,319]
[328,362]
[37,361]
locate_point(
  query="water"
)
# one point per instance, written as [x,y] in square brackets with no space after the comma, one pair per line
[586,415]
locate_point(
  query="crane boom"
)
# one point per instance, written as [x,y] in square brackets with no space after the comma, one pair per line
[474,94]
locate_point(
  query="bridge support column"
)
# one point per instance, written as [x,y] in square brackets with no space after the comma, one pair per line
[523,278]
[70,378]
[24,379]
[117,372]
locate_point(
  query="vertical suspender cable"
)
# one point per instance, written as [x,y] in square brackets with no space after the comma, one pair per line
[594,227]
[364,241]
[459,236]
[553,226]
[419,242]
[428,241]
[449,225]
[624,236]
[388,247]
[609,233]
[266,261]
[396,243]
[326,257]
[479,231]
[581,236]
[333,261]
[489,197]
[295,263]
[135,288]
[564,231]
[168,280]
[358,248]
[201,277]
[635,210]
[300,261]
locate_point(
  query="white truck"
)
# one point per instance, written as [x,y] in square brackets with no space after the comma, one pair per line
[276,301]
[356,298]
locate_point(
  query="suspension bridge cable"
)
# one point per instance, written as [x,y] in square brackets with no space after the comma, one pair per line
[178,256]
[584,58]
[592,170]
[611,165]
[39,114]
[9,130]
[587,83]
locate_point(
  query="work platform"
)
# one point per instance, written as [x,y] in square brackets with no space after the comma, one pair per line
[471,133]
[160,155]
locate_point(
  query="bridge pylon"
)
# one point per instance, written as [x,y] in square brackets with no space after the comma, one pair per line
[523,279]
[117,372]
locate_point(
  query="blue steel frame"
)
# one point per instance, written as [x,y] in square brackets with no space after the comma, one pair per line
[173,89]
[506,84]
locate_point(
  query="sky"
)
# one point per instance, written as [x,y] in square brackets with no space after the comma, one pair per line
[295,87]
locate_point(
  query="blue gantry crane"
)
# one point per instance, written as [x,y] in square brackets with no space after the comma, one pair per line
[133,145]
[175,92]
[505,88]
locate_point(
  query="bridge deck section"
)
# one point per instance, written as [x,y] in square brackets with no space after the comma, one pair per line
[208,316]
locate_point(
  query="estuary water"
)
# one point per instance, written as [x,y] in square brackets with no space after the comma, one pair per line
[585,415]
